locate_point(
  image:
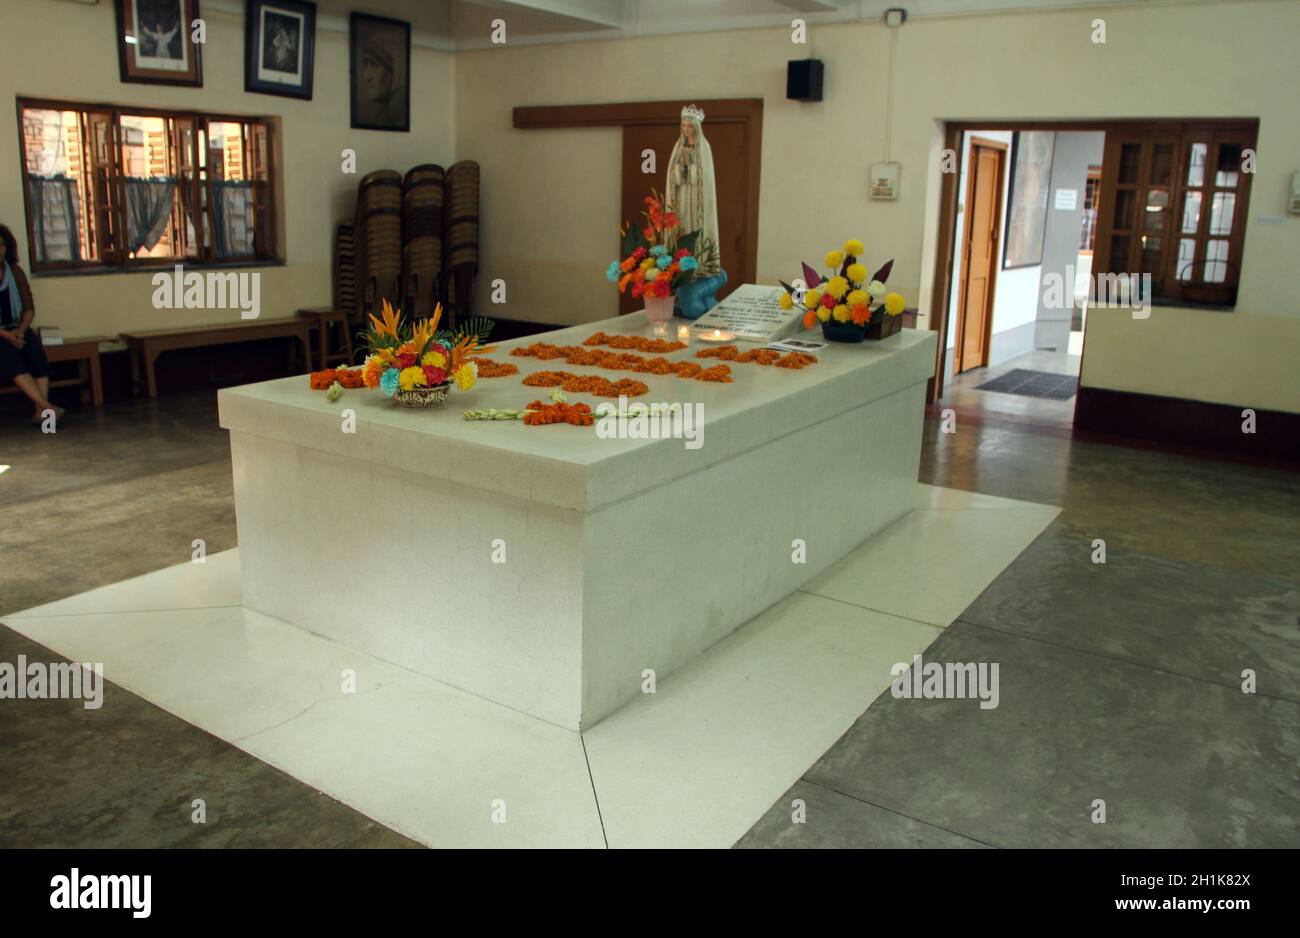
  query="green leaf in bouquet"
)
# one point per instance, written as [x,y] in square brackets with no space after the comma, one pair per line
[687,241]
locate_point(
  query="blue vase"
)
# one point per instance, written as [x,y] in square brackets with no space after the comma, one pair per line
[697,297]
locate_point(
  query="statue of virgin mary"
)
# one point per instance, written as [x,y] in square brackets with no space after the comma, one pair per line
[689,190]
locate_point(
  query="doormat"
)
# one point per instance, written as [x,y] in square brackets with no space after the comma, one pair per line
[1026,383]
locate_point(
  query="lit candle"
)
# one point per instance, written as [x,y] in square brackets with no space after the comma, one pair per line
[661,328]
[684,334]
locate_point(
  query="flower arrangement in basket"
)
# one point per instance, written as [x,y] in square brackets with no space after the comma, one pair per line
[849,304]
[416,365]
[651,269]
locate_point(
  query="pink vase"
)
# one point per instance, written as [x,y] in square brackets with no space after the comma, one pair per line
[658,308]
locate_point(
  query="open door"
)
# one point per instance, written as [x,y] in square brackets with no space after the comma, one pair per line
[980,252]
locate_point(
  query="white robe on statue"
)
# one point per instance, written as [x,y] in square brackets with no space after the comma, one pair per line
[690,191]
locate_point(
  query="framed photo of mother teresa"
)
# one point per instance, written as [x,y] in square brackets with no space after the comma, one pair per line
[156,42]
[279,45]
[381,73]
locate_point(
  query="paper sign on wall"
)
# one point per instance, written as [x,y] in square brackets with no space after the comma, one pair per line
[1067,199]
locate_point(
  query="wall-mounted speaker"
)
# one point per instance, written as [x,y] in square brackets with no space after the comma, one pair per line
[803,79]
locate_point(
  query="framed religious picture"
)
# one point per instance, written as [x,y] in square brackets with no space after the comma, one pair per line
[155,42]
[380,52]
[1031,176]
[279,46]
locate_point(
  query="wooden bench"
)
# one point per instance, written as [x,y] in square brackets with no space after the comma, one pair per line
[85,352]
[145,347]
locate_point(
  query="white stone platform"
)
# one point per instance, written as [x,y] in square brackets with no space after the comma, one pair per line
[693,765]
[622,556]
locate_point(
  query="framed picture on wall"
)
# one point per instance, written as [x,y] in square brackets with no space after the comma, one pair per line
[279,47]
[380,54]
[1031,177]
[155,42]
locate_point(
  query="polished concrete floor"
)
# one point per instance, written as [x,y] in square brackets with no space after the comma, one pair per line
[1121,682]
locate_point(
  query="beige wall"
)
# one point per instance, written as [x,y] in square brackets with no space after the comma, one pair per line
[66,51]
[551,199]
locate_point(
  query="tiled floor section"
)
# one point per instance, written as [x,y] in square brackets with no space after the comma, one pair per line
[1217,539]
[1120,682]
[691,765]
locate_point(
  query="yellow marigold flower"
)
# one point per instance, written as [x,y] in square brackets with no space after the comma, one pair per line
[823,313]
[858,298]
[841,313]
[812,298]
[854,247]
[436,359]
[894,303]
[857,273]
[647,263]
[787,301]
[837,287]
[465,376]
[412,377]
[834,259]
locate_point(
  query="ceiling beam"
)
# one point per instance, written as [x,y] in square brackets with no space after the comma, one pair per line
[811,6]
[606,14]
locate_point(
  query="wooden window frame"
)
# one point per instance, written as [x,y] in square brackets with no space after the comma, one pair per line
[105,217]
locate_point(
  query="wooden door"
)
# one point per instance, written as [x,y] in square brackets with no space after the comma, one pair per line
[730,142]
[980,253]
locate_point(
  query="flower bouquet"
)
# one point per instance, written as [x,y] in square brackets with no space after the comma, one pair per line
[416,365]
[849,304]
[649,269]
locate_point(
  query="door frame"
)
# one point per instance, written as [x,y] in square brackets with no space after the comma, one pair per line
[964,269]
[718,111]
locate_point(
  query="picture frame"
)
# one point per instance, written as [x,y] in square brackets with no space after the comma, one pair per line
[379,56]
[280,47]
[1031,176]
[155,44]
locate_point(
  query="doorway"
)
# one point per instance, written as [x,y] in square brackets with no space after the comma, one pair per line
[979,253]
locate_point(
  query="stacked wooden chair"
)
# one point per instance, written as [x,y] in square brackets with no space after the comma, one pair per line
[413,242]
[422,200]
[461,238]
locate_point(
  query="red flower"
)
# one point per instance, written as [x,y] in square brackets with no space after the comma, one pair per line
[434,375]
[638,288]
[682,253]
[406,360]
[639,254]
[828,301]
[662,288]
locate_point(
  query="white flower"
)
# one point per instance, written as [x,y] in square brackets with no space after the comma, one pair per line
[877,290]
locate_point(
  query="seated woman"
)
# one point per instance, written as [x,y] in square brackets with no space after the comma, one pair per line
[22,357]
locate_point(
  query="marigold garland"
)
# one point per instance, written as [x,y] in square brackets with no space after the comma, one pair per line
[487,368]
[622,361]
[538,414]
[347,377]
[586,384]
[759,356]
[640,343]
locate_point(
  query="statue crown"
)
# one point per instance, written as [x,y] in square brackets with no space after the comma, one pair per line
[693,113]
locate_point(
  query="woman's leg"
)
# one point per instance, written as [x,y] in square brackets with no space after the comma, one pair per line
[27,384]
[43,385]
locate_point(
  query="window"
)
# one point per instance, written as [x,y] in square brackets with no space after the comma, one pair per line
[111,188]
[1173,205]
